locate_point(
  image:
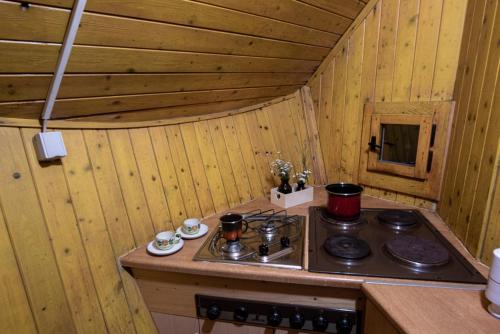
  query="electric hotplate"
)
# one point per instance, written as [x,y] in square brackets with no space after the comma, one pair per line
[388,243]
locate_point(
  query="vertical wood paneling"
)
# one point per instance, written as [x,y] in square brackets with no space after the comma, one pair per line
[429,25]
[131,186]
[236,193]
[470,192]
[30,238]
[151,181]
[113,191]
[17,317]
[400,51]
[168,175]
[117,221]
[205,197]
[57,206]
[241,155]
[181,164]
[85,201]
[338,103]
[325,120]
[352,118]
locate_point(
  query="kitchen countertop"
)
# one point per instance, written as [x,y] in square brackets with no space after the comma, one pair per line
[433,310]
[182,262]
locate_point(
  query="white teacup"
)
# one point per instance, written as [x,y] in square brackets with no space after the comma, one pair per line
[166,240]
[191,226]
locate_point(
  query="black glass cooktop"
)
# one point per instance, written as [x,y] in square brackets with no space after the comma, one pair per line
[385,243]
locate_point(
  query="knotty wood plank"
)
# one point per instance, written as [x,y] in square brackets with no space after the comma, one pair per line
[472,146]
[67,242]
[150,177]
[369,68]
[168,175]
[17,317]
[338,103]
[486,174]
[237,190]
[110,104]
[318,165]
[346,8]
[41,58]
[46,24]
[299,123]
[353,119]
[183,171]
[88,211]
[470,105]
[35,86]
[386,49]
[448,52]
[131,186]
[170,115]
[315,86]
[290,11]
[108,187]
[212,168]
[405,50]
[196,14]
[491,228]
[266,128]
[118,225]
[27,229]
[236,127]
[198,172]
[276,115]
[426,49]
[260,150]
[462,88]
[325,120]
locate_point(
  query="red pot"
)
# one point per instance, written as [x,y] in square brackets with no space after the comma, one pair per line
[344,200]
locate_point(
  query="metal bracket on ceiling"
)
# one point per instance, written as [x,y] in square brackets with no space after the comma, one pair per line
[64,53]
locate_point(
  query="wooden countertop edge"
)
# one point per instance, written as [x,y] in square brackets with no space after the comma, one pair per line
[468,311]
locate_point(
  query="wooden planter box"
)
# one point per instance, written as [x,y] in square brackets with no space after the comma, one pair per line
[294,198]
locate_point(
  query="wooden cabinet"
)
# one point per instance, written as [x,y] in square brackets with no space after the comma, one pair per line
[404,146]
[376,322]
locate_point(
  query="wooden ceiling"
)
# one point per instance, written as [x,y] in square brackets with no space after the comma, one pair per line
[154,59]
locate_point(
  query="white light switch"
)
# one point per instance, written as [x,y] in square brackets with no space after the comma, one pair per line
[49,146]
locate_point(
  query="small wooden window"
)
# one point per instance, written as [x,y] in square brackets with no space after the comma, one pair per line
[399,144]
[404,146]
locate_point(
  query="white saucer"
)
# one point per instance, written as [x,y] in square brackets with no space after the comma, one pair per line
[153,250]
[203,230]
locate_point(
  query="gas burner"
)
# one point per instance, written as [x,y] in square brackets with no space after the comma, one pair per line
[282,233]
[234,249]
[417,252]
[342,224]
[268,228]
[398,219]
[347,247]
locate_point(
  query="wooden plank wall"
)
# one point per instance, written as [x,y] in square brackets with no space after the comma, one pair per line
[132,56]
[469,186]
[401,50]
[64,224]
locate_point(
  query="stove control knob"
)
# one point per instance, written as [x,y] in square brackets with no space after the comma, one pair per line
[285,242]
[274,318]
[240,314]
[263,250]
[213,312]
[297,320]
[344,325]
[320,322]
